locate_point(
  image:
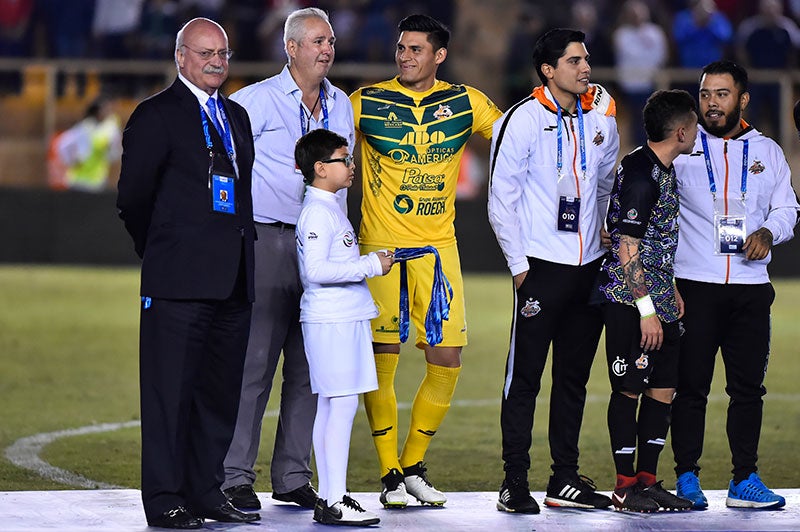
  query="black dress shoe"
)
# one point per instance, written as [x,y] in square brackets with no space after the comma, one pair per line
[226,513]
[178,517]
[243,497]
[304,496]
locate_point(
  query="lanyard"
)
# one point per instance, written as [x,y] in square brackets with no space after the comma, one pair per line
[323,104]
[441,295]
[559,135]
[227,141]
[706,154]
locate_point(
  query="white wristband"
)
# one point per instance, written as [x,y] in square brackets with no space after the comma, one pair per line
[645,306]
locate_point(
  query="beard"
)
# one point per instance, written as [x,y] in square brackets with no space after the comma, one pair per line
[729,124]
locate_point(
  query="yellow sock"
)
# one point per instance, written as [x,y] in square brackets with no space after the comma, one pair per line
[430,406]
[381,407]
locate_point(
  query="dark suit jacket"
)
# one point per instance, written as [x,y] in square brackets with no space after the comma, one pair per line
[187,250]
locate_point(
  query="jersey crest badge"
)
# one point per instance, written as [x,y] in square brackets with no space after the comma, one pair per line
[531,308]
[643,361]
[349,239]
[633,214]
[598,138]
[757,167]
[443,111]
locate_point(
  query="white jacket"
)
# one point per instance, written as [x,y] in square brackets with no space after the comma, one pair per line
[770,202]
[331,269]
[523,197]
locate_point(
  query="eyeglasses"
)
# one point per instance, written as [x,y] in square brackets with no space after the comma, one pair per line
[347,160]
[205,55]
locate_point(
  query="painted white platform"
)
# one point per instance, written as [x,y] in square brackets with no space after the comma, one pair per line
[121,511]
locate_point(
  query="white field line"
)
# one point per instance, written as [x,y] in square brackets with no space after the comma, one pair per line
[24,452]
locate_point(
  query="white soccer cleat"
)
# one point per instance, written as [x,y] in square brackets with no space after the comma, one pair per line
[419,487]
[394,494]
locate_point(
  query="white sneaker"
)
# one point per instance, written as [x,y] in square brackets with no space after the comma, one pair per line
[347,512]
[418,486]
[394,493]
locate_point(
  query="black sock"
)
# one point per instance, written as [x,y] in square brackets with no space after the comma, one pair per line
[653,426]
[622,429]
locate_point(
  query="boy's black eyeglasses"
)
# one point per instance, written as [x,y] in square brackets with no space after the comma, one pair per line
[348,160]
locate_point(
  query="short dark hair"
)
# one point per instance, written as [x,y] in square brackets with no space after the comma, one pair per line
[738,73]
[665,110]
[316,145]
[438,33]
[553,45]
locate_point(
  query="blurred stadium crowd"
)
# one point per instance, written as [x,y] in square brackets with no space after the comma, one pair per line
[490,49]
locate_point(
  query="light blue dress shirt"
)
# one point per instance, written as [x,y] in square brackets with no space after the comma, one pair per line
[273,105]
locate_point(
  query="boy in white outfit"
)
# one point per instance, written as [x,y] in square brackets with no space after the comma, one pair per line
[335,312]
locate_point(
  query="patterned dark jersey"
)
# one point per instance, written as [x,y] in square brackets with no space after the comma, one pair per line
[644,204]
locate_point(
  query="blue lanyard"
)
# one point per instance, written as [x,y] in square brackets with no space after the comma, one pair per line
[323,104]
[441,295]
[710,170]
[559,136]
[227,141]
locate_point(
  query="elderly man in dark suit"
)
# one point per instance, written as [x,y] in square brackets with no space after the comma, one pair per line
[184,195]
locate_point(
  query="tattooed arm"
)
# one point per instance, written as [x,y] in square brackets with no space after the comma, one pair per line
[633,274]
[758,244]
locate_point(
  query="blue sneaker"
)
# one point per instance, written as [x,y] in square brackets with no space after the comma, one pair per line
[688,487]
[752,493]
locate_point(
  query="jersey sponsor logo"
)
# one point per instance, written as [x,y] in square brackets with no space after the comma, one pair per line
[531,308]
[349,239]
[598,138]
[422,138]
[619,366]
[312,235]
[432,156]
[430,206]
[403,203]
[415,179]
[443,111]
[392,122]
[643,361]
[757,167]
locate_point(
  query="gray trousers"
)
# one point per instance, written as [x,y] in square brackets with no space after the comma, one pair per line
[275,327]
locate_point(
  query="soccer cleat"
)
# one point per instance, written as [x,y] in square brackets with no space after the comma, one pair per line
[394,493]
[752,493]
[666,500]
[419,487]
[345,512]
[688,487]
[576,491]
[633,499]
[515,497]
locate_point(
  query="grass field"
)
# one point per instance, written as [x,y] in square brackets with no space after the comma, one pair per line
[69,359]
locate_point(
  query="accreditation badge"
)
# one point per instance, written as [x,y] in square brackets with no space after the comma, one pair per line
[569,214]
[729,234]
[223,193]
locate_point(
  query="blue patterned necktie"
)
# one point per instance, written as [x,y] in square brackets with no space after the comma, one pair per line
[212,111]
[441,295]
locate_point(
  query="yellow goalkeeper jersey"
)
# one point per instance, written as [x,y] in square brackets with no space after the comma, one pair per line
[411,147]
